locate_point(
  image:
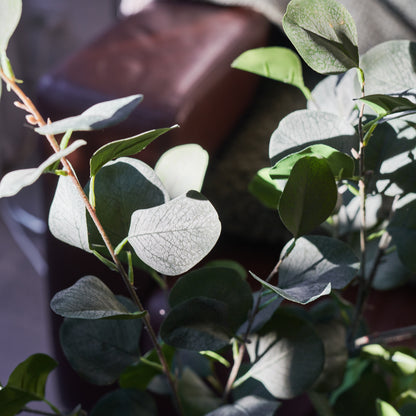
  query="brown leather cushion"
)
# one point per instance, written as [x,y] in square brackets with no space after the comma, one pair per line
[178,55]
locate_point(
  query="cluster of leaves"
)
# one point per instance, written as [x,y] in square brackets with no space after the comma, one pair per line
[158,221]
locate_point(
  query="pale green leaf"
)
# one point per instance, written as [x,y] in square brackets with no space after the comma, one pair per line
[10,12]
[182,169]
[173,237]
[277,63]
[324,34]
[247,406]
[385,409]
[97,117]
[265,189]
[14,181]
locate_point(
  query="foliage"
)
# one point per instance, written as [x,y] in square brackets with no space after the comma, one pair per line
[343,167]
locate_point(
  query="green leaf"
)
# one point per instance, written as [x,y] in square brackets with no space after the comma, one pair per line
[197,324]
[389,67]
[173,237]
[14,181]
[402,228]
[196,397]
[316,265]
[324,34]
[100,350]
[140,374]
[247,406]
[385,409]
[309,196]
[122,187]
[67,215]
[277,63]
[97,117]
[10,13]
[90,298]
[342,165]
[217,283]
[182,169]
[265,189]
[287,355]
[126,402]
[304,128]
[26,383]
[123,147]
[384,104]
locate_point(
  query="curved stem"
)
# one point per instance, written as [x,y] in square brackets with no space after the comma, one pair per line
[31,109]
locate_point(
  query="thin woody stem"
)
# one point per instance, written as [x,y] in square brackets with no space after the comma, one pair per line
[28,106]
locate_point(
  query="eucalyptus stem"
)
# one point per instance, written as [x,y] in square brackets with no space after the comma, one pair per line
[34,117]
[242,349]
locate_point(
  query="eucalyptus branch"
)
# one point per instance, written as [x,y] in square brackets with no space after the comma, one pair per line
[35,118]
[242,349]
[394,335]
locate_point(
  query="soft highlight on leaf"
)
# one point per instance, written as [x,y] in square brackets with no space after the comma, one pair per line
[324,34]
[10,13]
[277,63]
[97,117]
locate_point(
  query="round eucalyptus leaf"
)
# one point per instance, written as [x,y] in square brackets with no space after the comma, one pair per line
[100,350]
[304,128]
[247,406]
[68,216]
[10,13]
[265,189]
[324,34]
[287,355]
[337,94]
[402,228]
[309,196]
[126,402]
[174,237]
[97,117]
[182,169]
[198,324]
[390,67]
[277,63]
[122,187]
[219,283]
[90,298]
[315,266]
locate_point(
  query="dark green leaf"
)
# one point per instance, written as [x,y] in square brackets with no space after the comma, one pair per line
[10,12]
[384,104]
[402,228]
[390,67]
[309,196]
[247,406]
[90,298]
[124,147]
[342,165]
[198,324]
[280,64]
[196,397]
[173,237]
[139,375]
[182,169]
[219,283]
[125,402]
[26,383]
[14,181]
[100,350]
[229,264]
[304,128]
[316,265]
[287,355]
[121,188]
[97,117]
[265,189]
[324,34]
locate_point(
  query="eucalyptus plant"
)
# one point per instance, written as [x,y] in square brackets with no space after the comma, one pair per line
[342,181]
